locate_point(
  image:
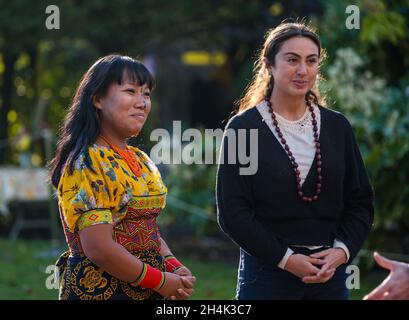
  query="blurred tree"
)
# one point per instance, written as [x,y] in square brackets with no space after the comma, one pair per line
[41,67]
[368,80]
[21,28]
[382,38]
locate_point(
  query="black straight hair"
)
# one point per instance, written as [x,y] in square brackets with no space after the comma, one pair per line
[81,124]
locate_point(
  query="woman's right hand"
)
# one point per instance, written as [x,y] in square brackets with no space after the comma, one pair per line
[302,266]
[177,287]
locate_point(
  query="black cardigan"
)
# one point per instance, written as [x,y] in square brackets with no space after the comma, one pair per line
[263,213]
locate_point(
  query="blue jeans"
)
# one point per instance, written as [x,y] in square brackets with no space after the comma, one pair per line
[261,281]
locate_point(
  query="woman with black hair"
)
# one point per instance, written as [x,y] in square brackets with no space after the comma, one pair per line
[110,193]
[306,212]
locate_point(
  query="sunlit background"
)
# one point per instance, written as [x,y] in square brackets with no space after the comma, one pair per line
[201,54]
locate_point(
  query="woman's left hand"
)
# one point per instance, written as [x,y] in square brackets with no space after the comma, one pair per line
[332,257]
[183,271]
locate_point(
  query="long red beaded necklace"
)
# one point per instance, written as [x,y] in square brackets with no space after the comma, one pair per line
[290,155]
[128,156]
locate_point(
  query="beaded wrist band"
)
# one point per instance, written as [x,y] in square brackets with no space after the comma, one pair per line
[171,263]
[150,278]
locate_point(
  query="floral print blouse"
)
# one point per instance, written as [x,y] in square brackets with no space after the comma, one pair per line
[100,191]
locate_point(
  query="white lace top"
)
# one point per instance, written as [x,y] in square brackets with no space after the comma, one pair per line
[299,135]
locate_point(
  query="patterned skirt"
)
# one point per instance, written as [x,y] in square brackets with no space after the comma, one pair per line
[81,279]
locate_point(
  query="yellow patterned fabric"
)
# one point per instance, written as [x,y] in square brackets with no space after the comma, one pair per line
[93,217]
[102,195]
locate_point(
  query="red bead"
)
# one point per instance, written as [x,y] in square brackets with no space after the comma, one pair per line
[307,199]
[291,156]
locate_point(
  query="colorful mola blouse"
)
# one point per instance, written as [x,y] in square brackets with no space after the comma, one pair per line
[103,189]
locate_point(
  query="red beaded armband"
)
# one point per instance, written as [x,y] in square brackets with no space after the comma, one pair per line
[172,264]
[150,278]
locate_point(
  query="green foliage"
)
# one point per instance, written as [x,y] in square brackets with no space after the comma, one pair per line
[381,25]
[381,38]
[191,202]
[378,114]
[368,80]
[193,184]
[51,62]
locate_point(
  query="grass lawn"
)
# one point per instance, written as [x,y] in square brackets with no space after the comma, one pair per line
[23,274]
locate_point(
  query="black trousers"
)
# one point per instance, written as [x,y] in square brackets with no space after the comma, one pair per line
[260,281]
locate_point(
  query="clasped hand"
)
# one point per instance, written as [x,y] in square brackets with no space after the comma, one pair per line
[187,281]
[307,267]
